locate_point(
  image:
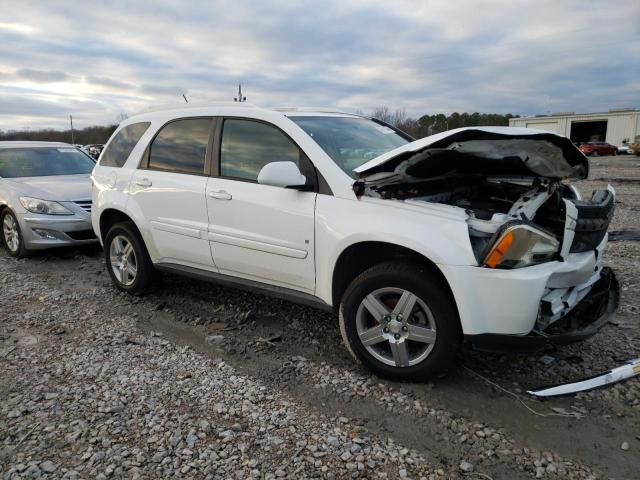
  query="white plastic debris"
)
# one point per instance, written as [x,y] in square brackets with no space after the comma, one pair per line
[628,370]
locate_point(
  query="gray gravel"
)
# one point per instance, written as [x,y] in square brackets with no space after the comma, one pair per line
[199,381]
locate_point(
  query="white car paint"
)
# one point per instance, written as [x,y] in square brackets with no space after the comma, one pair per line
[294,238]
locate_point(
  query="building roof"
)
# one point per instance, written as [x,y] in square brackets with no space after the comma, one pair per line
[613,111]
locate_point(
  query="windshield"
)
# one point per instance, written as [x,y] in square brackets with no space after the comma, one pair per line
[43,162]
[350,141]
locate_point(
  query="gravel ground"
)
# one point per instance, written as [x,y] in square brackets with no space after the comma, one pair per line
[200,381]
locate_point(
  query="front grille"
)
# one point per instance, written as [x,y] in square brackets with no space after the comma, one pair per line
[84,204]
[82,235]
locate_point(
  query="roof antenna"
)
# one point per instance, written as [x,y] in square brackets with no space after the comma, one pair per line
[185,98]
[240,98]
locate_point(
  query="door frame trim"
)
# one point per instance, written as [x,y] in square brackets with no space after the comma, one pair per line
[252,244]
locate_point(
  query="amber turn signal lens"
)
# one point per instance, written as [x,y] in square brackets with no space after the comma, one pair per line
[499,250]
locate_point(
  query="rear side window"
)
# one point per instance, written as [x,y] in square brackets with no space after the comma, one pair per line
[248,146]
[181,146]
[119,149]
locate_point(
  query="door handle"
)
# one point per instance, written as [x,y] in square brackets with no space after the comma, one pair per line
[143,182]
[220,194]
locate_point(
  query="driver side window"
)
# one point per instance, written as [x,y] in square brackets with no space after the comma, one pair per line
[247,146]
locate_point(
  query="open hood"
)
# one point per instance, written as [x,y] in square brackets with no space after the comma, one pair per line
[479,150]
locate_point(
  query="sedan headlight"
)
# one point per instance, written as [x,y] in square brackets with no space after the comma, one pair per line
[46,207]
[521,245]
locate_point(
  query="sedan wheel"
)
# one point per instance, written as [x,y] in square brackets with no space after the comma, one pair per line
[123,260]
[396,327]
[11,233]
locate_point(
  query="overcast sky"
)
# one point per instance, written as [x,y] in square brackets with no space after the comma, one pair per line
[99,60]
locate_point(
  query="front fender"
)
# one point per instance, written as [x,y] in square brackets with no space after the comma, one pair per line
[440,235]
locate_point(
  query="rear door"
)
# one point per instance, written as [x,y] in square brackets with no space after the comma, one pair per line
[108,173]
[168,190]
[260,232]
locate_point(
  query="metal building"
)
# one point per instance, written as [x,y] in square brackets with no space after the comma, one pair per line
[615,126]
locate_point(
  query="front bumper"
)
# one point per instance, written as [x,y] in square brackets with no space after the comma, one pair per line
[46,231]
[582,322]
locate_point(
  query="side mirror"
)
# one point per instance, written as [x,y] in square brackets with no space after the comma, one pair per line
[283,174]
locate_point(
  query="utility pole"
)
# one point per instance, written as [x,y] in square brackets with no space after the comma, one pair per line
[72,136]
[240,98]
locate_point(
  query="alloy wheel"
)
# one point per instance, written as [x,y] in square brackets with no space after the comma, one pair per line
[11,233]
[123,260]
[396,327]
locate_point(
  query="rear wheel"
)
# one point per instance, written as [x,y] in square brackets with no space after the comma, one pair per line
[128,261]
[400,322]
[12,235]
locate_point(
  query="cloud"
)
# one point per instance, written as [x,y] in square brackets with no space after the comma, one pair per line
[108,82]
[425,57]
[41,76]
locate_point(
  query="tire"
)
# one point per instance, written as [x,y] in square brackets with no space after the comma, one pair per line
[433,317]
[126,253]
[12,235]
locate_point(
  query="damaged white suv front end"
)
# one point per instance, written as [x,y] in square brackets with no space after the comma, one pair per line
[539,276]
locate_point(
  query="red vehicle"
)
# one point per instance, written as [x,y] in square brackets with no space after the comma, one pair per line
[598,148]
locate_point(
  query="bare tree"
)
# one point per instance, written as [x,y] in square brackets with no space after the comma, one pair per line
[398,119]
[382,113]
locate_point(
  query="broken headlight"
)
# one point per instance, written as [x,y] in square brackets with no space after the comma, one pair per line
[521,245]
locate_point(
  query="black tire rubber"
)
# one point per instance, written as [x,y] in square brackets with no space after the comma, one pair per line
[22,252]
[435,295]
[147,277]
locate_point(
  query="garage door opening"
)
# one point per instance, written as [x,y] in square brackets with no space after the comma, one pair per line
[588,131]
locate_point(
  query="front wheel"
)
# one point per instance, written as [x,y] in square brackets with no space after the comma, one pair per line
[128,262]
[400,322]
[12,235]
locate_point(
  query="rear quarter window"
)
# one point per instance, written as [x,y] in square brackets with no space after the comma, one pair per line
[119,149]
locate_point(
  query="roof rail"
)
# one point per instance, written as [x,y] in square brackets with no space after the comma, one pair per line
[187,106]
[312,109]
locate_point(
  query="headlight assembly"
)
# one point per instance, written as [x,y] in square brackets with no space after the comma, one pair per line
[45,207]
[521,245]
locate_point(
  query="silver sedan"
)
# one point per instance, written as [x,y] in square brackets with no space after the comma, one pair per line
[45,196]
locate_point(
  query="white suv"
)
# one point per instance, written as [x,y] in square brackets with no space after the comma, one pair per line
[465,235]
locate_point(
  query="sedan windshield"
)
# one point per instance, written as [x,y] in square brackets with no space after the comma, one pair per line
[350,141]
[43,162]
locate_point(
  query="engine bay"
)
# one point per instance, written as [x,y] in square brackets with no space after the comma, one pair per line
[491,202]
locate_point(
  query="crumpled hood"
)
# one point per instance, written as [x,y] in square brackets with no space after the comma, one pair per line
[56,187]
[486,150]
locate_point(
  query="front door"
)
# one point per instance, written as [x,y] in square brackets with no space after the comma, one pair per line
[260,232]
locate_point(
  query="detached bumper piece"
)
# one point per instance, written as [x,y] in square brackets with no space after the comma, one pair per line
[594,217]
[628,370]
[582,322]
